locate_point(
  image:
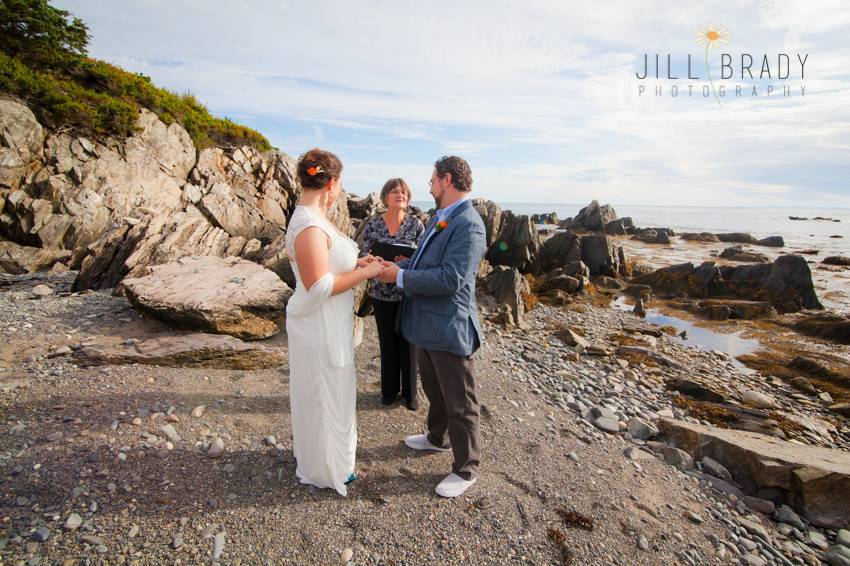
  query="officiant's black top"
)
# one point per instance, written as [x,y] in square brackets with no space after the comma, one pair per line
[409,232]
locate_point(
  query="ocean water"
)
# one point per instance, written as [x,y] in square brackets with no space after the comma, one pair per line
[760,222]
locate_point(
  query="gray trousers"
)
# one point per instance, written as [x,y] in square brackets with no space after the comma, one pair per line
[453,415]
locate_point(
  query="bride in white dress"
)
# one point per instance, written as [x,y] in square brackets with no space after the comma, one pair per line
[320,328]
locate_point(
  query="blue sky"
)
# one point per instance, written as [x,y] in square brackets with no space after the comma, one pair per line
[540,97]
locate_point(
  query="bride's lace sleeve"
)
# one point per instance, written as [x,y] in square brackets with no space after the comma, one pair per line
[297,223]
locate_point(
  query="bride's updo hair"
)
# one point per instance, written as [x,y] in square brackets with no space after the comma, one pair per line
[317,167]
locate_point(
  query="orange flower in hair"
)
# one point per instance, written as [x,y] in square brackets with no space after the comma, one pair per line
[314,170]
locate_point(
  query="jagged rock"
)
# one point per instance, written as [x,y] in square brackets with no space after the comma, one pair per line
[737,238]
[362,208]
[183,350]
[509,288]
[90,184]
[17,259]
[837,260]
[223,296]
[619,227]
[772,242]
[786,283]
[276,258]
[699,237]
[639,309]
[600,255]
[491,214]
[738,253]
[21,143]
[517,244]
[246,193]
[557,280]
[591,218]
[130,250]
[560,250]
[814,481]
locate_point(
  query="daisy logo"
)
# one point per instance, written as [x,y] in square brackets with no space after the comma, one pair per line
[711,36]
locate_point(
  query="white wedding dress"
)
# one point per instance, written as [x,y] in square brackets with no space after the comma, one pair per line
[322,387]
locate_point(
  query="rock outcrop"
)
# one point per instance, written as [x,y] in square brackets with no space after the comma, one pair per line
[596,251]
[786,283]
[222,296]
[814,481]
[591,218]
[123,205]
[514,243]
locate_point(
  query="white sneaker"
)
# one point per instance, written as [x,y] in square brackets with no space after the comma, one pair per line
[421,442]
[453,485]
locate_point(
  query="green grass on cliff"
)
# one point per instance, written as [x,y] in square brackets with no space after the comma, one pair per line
[43,62]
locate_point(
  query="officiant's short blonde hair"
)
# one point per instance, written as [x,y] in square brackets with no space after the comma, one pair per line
[393,183]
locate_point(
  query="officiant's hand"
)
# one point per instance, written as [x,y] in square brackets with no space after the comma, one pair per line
[388,272]
[366,260]
[398,258]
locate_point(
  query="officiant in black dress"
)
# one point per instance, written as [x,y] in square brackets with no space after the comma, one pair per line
[395,226]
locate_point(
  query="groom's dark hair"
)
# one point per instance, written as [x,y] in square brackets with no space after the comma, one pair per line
[459,169]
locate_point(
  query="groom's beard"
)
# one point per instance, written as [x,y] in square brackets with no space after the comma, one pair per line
[437,202]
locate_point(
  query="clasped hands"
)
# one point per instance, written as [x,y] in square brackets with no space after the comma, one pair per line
[379,268]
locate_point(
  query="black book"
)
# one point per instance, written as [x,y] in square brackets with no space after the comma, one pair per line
[390,251]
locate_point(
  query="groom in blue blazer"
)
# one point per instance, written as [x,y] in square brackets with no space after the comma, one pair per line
[439,317]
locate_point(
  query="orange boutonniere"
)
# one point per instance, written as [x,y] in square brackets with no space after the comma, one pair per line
[440,225]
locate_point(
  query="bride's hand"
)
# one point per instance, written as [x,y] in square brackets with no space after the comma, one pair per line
[366,260]
[372,269]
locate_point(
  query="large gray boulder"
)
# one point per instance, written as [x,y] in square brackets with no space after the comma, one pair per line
[219,295]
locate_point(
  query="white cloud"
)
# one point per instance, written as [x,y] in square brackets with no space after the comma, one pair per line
[513,85]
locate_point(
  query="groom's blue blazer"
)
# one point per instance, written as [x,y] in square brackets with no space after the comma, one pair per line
[439,311]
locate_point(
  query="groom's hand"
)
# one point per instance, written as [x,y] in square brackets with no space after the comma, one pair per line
[388,273]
